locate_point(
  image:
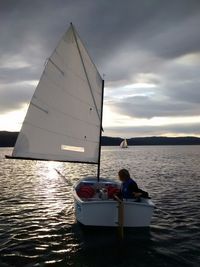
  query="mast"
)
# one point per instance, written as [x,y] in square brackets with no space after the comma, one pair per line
[100,133]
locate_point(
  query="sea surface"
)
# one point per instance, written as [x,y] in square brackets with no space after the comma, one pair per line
[38,228]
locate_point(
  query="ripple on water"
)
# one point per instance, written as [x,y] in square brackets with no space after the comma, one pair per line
[37,225]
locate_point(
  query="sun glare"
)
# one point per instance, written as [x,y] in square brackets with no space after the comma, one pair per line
[12,121]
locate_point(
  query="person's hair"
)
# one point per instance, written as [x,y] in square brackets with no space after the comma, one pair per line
[123,173]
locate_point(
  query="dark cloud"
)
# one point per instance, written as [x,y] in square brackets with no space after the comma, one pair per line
[127,39]
[188,92]
[10,76]
[21,94]
[167,29]
[148,107]
[170,100]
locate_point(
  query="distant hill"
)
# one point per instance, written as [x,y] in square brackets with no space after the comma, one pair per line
[8,139]
[151,141]
[160,140]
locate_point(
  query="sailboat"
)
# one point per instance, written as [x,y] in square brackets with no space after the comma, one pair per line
[124,144]
[64,123]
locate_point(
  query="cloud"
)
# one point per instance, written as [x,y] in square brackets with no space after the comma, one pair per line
[21,94]
[149,51]
[178,98]
[148,107]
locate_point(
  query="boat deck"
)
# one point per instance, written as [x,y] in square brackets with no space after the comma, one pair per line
[104,185]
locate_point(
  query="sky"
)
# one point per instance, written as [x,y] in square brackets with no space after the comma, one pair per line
[147,50]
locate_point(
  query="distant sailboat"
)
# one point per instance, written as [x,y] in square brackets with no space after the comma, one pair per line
[64,123]
[124,144]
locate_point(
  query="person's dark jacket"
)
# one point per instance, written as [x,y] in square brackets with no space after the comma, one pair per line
[129,187]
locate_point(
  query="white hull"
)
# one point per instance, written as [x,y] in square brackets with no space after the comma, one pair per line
[98,212]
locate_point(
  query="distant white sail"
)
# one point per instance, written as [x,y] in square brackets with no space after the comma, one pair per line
[64,117]
[124,144]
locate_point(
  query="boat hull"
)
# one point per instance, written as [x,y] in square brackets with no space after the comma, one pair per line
[105,212]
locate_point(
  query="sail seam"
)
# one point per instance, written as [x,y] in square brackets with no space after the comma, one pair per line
[75,74]
[53,132]
[62,72]
[66,92]
[59,111]
[42,109]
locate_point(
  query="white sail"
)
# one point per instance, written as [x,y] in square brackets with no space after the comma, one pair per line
[64,117]
[124,144]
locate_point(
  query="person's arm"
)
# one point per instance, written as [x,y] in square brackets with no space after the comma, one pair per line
[134,188]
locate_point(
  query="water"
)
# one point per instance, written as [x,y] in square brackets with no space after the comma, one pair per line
[37,225]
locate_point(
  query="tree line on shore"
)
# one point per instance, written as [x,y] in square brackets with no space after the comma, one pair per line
[8,139]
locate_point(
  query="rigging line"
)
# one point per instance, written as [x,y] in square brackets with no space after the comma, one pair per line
[67,92]
[74,73]
[85,71]
[69,182]
[59,111]
[53,132]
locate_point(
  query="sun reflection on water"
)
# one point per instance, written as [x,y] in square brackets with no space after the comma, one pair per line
[48,169]
[50,186]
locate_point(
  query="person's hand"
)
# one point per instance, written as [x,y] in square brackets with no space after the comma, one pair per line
[137,194]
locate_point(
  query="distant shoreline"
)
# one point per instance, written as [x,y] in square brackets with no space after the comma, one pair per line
[8,139]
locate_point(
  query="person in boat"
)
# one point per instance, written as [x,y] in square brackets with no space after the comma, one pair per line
[129,188]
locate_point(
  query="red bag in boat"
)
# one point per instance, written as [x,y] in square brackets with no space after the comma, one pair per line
[86,191]
[112,190]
